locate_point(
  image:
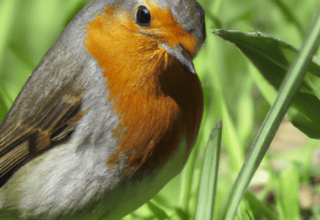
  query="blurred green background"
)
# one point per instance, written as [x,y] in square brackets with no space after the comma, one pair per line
[28,28]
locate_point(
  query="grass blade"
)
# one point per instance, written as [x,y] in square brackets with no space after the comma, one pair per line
[289,15]
[260,207]
[288,193]
[7,8]
[271,124]
[209,175]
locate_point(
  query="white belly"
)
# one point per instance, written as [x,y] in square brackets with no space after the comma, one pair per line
[65,183]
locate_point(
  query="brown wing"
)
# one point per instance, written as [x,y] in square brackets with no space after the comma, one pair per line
[45,113]
[49,126]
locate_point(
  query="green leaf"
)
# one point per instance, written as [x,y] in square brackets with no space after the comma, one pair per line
[273,58]
[289,87]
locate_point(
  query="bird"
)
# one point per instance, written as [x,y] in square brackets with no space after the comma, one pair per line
[109,115]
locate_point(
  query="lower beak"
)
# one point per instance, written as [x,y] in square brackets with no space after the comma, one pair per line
[181,55]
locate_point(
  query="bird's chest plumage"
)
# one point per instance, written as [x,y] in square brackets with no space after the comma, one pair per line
[154,135]
[149,131]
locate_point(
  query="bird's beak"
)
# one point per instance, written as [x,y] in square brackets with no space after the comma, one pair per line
[181,55]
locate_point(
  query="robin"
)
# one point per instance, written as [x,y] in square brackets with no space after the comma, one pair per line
[108,117]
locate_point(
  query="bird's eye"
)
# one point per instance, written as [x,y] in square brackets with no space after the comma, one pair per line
[143,16]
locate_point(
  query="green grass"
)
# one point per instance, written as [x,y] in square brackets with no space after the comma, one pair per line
[234,91]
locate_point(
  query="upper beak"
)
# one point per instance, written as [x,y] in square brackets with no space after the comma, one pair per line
[181,55]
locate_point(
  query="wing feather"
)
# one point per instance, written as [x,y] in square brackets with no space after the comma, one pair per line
[32,137]
[45,113]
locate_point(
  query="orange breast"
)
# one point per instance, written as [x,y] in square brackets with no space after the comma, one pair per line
[157,100]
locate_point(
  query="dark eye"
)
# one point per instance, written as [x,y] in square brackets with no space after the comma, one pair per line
[143,16]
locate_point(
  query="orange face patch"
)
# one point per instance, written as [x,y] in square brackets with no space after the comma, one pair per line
[133,61]
[170,31]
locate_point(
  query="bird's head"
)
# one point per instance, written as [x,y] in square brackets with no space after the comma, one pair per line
[138,32]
